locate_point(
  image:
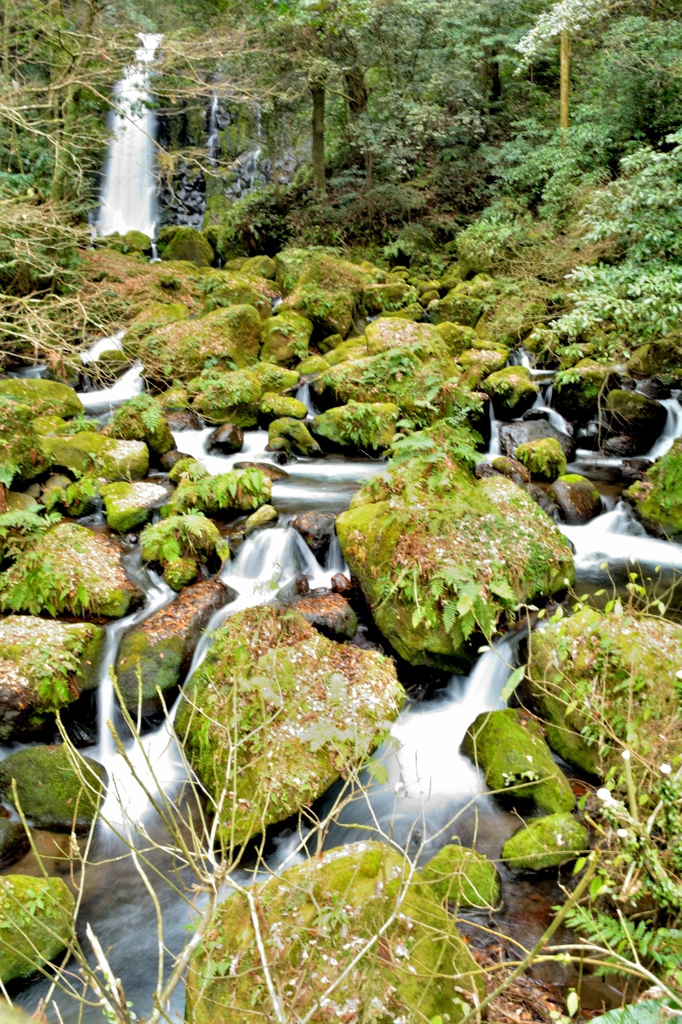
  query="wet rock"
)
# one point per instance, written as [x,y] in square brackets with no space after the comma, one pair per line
[543,499]
[577,391]
[266,468]
[272,407]
[141,419]
[657,357]
[236,491]
[171,459]
[323,690]
[37,937]
[58,790]
[129,505]
[512,468]
[285,338]
[657,387]
[265,517]
[43,397]
[184,419]
[544,459]
[89,453]
[331,614]
[514,434]
[179,572]
[316,528]
[341,584]
[546,843]
[620,446]
[156,655]
[226,439]
[13,841]
[293,437]
[228,397]
[484,471]
[463,877]
[577,497]
[637,416]
[511,390]
[635,469]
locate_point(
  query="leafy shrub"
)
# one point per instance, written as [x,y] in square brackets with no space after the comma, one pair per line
[190,536]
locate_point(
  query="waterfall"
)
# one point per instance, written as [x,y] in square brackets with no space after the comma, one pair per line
[671,430]
[129,187]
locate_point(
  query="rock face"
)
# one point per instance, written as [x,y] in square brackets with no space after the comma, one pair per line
[89,453]
[44,397]
[657,499]
[69,570]
[546,843]
[130,505]
[56,791]
[226,439]
[514,434]
[35,923]
[419,540]
[316,528]
[463,877]
[142,419]
[331,614]
[511,390]
[285,338]
[516,762]
[156,655]
[44,666]
[364,425]
[366,879]
[577,498]
[306,710]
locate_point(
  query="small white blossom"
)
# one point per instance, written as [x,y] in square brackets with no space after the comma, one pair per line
[666,769]
[622,832]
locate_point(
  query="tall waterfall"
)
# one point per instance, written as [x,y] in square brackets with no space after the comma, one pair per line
[129,187]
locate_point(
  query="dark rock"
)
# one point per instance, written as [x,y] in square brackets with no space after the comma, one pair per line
[316,528]
[51,790]
[588,437]
[341,584]
[633,414]
[13,841]
[266,468]
[514,434]
[515,470]
[578,499]
[226,439]
[167,461]
[331,614]
[620,446]
[634,469]
[655,388]
[484,470]
[543,500]
[184,419]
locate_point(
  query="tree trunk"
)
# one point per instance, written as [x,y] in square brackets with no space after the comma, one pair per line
[3,498]
[356,88]
[317,89]
[63,160]
[565,78]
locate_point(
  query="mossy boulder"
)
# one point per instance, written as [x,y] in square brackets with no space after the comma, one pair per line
[413,311]
[44,397]
[418,539]
[228,397]
[44,667]
[20,501]
[279,745]
[156,314]
[156,655]
[632,413]
[545,843]
[343,898]
[36,916]
[457,307]
[313,365]
[601,682]
[363,425]
[129,505]
[135,242]
[259,266]
[292,263]
[577,498]
[236,491]
[393,332]
[141,419]
[261,519]
[464,877]
[347,351]
[58,789]
[273,406]
[224,289]
[276,378]
[517,309]
[516,762]
[190,245]
[180,351]
[329,343]
[457,337]
[657,357]
[69,570]
[511,390]
[91,454]
[328,293]
[291,436]
[331,614]
[657,499]
[285,338]
[578,391]
[389,296]
[478,363]
[21,454]
[544,459]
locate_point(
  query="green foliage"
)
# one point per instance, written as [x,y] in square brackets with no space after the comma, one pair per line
[179,536]
[19,530]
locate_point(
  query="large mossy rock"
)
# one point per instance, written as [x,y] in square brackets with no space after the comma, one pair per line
[44,397]
[420,540]
[190,245]
[276,378]
[544,459]
[641,418]
[180,351]
[478,363]
[657,499]
[69,570]
[514,434]
[457,307]
[516,762]
[657,358]
[577,392]
[87,453]
[601,682]
[363,425]
[577,498]
[323,912]
[44,667]
[285,338]
[57,789]
[21,454]
[395,332]
[129,505]
[225,289]
[511,390]
[156,655]
[464,877]
[545,843]
[142,419]
[384,297]
[35,923]
[156,314]
[228,397]
[276,713]
[236,491]
[328,293]
[273,407]
[293,437]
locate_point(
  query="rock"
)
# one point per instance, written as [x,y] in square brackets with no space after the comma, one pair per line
[188,244]
[577,391]
[273,407]
[228,397]
[44,667]
[276,378]
[36,914]
[348,351]
[156,314]
[44,397]
[365,879]
[226,439]
[264,517]
[362,425]
[414,311]
[395,332]
[577,498]
[184,419]
[131,241]
[329,613]
[457,337]
[479,363]
[329,343]
[13,842]
[637,416]
[544,459]
[543,499]
[516,761]
[657,499]
[226,289]
[171,459]
[341,584]
[141,419]
[512,435]
[20,501]
[285,338]
[21,454]
[87,453]
[266,468]
[259,266]
[635,469]
[57,790]
[188,468]
[516,471]
[546,842]
[511,390]
[455,308]
[69,570]
[130,505]
[657,357]
[316,528]
[312,366]
[437,539]
[323,690]
[328,292]
[236,491]
[292,436]
[463,877]
[156,655]
[380,298]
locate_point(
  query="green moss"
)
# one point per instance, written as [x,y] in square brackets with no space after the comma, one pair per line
[635,414]
[658,498]
[273,406]
[478,363]
[358,425]
[463,877]
[276,378]
[545,458]
[237,491]
[179,536]
[546,843]
[329,343]
[392,332]
[178,572]
[131,242]
[141,419]
[156,314]
[578,389]
[221,288]
[323,912]
[518,307]
[328,293]
[190,245]
[313,365]
[259,266]
[35,923]
[253,730]
[44,397]
[188,468]
[411,312]
[228,397]
[457,308]
[354,348]
[457,337]
[292,264]
[173,399]
[86,453]
[57,790]
[382,298]
[130,505]
[263,517]
[292,436]
[657,357]
[516,761]
[75,499]
[285,338]
[511,390]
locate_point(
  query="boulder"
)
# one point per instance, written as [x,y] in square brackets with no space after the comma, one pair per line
[391,295]
[261,519]
[276,378]
[395,332]
[157,654]
[328,344]
[131,241]
[43,397]
[44,667]
[259,266]
[228,397]
[457,337]
[312,366]
[184,419]
[511,390]
[463,877]
[577,391]
[544,500]
[478,363]
[58,790]
[331,614]
[87,453]
[36,924]
[512,435]
[21,454]
[517,763]
[577,497]
[285,338]
[222,288]
[327,292]
[363,425]
[638,417]
[236,491]
[657,499]
[130,505]
[13,842]
[316,528]
[457,307]
[190,245]
[277,712]
[273,407]
[156,314]
[544,459]
[141,419]
[516,471]
[657,357]
[292,436]
[226,439]
[546,842]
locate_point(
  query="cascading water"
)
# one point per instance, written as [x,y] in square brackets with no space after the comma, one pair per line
[671,431]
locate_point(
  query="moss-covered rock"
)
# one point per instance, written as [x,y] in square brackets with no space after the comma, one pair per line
[634,414]
[657,357]
[577,498]
[389,296]
[91,454]
[343,898]
[578,391]
[329,343]
[20,501]
[276,378]
[261,519]
[57,789]
[363,425]
[141,419]
[44,397]
[546,843]
[292,263]
[228,397]
[291,436]
[44,667]
[394,332]
[515,311]
[511,390]
[156,314]
[278,746]
[69,570]
[188,244]
[156,655]
[130,242]
[457,337]
[21,454]
[657,499]
[129,505]
[313,365]
[35,923]
[413,311]
[478,363]
[236,491]
[225,289]
[285,338]
[259,266]
[273,406]
[545,458]
[347,351]
[77,498]
[516,761]
[457,307]
[328,292]
[464,877]
[419,539]
[331,614]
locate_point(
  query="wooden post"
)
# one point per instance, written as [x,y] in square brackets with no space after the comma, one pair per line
[565,78]
[319,183]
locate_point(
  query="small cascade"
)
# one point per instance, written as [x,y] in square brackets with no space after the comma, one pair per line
[494,448]
[335,562]
[554,417]
[213,134]
[671,431]
[303,395]
[105,400]
[110,344]
[128,199]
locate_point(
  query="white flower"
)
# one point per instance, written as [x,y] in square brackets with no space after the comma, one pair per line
[622,832]
[625,755]
[679,673]
[604,794]
[666,769]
